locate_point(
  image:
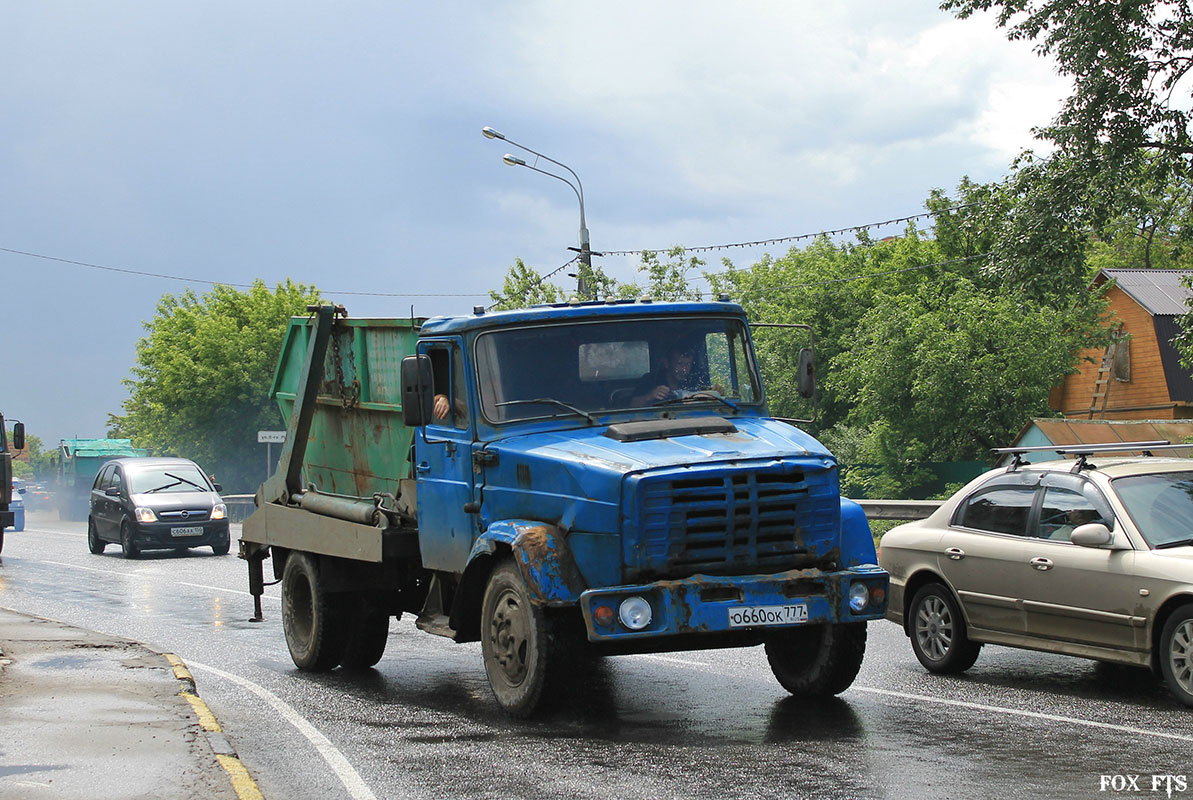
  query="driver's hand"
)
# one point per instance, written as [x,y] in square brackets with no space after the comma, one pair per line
[442,406]
[660,392]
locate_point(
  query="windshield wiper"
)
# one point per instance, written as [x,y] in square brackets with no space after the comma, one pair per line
[1177,543]
[704,395]
[177,480]
[181,479]
[551,401]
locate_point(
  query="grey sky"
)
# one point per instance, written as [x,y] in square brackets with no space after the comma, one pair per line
[339,144]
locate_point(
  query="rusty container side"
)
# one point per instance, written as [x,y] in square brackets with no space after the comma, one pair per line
[358,443]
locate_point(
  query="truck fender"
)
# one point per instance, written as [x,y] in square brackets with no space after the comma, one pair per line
[857,542]
[541,552]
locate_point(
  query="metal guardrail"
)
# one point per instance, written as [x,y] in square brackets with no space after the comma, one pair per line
[899,509]
[239,506]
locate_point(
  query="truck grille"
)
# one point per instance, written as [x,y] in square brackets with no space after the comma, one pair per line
[738,521]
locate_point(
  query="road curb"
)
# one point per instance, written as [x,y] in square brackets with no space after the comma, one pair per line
[242,782]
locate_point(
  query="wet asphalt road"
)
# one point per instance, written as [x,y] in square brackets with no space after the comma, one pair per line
[699,724]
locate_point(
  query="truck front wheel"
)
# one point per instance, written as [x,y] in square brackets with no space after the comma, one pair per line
[515,642]
[312,617]
[818,660]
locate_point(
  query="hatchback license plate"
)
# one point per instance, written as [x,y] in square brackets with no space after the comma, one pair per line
[752,616]
[186,531]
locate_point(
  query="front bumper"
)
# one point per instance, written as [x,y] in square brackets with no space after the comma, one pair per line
[158,535]
[702,604]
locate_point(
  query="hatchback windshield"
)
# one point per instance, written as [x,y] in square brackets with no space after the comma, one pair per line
[579,369]
[182,478]
[1161,506]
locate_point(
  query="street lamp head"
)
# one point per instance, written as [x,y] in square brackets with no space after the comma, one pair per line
[489,133]
[513,161]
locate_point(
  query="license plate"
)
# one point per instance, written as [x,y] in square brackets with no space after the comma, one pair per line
[186,531]
[752,616]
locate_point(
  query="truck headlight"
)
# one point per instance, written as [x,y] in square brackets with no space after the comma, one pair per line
[146,515]
[219,511]
[859,597]
[634,613]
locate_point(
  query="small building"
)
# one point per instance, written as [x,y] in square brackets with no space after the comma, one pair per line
[1139,376]
[1057,431]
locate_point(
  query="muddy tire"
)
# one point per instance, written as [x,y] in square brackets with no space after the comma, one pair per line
[1176,654]
[128,548]
[312,617]
[515,641]
[937,630]
[817,660]
[94,543]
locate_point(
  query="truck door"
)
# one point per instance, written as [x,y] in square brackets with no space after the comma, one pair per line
[443,464]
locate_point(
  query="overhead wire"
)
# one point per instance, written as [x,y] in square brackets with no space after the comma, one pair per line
[701,249]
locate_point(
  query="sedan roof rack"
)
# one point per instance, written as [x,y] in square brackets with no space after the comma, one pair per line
[1083,451]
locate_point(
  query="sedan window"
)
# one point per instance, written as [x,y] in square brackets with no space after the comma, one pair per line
[1000,509]
[1161,505]
[1062,511]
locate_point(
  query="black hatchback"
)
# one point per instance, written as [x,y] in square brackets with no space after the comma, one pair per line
[156,503]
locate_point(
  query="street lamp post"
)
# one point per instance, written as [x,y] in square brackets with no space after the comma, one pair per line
[585,249]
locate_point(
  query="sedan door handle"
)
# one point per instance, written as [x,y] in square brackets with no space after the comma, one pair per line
[955,553]
[1041,563]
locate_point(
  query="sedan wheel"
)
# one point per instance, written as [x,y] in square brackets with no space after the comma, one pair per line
[938,631]
[1176,654]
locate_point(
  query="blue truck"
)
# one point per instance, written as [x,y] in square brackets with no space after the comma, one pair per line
[558,483]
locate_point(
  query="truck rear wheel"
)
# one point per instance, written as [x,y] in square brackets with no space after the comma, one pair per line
[368,631]
[312,617]
[817,660]
[515,642]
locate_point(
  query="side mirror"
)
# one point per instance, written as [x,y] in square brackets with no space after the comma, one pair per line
[806,373]
[418,398]
[18,436]
[1091,534]
[112,491]
[218,487]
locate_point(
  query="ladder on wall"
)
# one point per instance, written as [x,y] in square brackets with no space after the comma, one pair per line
[1097,404]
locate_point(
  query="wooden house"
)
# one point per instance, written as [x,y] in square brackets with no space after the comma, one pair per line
[1139,376]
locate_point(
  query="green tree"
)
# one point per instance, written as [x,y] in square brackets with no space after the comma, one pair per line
[945,372]
[200,385]
[524,287]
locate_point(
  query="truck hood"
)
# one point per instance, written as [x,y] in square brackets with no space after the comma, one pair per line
[593,450]
[573,478]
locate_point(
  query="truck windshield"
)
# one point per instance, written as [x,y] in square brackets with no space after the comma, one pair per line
[614,365]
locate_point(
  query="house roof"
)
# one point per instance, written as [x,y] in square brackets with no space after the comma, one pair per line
[1159,291]
[1099,431]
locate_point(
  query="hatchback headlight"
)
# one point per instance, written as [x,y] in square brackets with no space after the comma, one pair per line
[219,511]
[146,515]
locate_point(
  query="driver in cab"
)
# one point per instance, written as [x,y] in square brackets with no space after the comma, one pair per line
[673,378]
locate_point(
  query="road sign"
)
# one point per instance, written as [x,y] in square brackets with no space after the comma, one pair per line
[267,437]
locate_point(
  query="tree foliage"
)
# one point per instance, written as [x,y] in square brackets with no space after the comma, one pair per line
[200,385]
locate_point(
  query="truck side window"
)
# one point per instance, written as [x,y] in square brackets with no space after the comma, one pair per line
[451,399]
